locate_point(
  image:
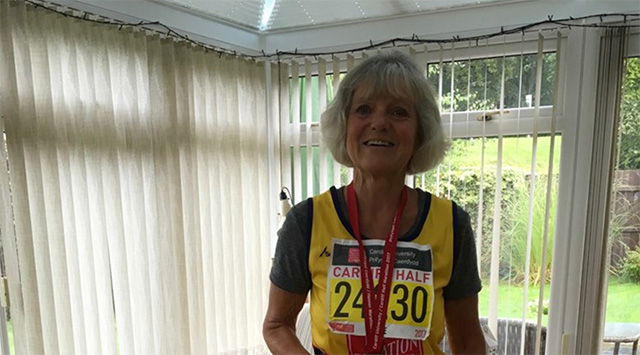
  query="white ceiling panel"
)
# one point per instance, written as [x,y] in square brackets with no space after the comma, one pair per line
[293,14]
[246,13]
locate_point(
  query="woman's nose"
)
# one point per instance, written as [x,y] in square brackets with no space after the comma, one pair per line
[379,120]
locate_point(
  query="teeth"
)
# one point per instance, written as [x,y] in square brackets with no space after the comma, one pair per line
[379,143]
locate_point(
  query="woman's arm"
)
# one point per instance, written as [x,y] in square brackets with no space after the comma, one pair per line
[279,328]
[463,326]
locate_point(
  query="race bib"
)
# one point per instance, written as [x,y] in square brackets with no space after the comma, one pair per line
[410,300]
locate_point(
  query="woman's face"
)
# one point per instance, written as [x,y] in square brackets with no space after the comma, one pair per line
[381,133]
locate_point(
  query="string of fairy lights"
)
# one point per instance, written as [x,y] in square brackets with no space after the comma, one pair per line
[606,20]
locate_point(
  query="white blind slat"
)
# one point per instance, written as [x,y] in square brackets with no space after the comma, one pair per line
[539,61]
[9,229]
[468,115]
[235,261]
[101,98]
[138,180]
[550,181]
[188,260]
[479,230]
[153,167]
[322,104]
[197,193]
[497,221]
[350,65]
[451,110]
[308,79]
[113,190]
[212,269]
[285,127]
[257,249]
[51,197]
[440,96]
[295,127]
[336,82]
[39,243]
[172,247]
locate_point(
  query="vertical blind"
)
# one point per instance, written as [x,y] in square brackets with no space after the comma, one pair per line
[132,212]
[612,53]
[498,103]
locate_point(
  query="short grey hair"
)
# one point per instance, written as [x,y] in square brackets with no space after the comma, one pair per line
[394,74]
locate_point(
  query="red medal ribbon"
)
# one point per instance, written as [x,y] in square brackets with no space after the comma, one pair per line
[375,306]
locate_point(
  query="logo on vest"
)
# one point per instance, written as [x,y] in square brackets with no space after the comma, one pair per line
[325,253]
[353,256]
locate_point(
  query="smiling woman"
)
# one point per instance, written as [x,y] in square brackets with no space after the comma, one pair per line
[400,261]
[392,77]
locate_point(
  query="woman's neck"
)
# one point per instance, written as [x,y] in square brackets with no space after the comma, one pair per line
[378,199]
[376,191]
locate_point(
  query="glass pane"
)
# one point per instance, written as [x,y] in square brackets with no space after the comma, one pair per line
[6,316]
[303,165]
[329,88]
[315,99]
[459,176]
[291,96]
[315,95]
[303,100]
[316,171]
[477,83]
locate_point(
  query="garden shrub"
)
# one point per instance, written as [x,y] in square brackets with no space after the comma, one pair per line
[515,235]
[533,307]
[463,186]
[631,266]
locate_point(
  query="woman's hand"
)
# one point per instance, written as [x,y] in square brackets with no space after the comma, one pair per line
[279,328]
[463,326]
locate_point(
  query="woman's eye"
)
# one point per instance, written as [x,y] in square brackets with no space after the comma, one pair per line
[400,112]
[363,110]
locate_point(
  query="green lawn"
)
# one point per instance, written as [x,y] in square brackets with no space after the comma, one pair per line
[620,296]
[517,152]
[510,299]
[621,299]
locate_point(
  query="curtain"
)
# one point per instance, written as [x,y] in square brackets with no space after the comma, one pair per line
[133,208]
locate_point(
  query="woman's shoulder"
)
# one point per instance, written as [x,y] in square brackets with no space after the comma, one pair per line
[302,210]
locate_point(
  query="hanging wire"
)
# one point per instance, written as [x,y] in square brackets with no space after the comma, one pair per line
[628,21]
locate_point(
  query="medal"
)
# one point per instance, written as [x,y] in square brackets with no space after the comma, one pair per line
[375,306]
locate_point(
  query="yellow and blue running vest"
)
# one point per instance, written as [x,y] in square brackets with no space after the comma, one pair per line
[423,266]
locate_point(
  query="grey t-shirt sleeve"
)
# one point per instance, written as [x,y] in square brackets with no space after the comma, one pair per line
[290,270]
[465,281]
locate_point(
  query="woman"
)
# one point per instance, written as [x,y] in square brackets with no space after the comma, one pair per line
[420,265]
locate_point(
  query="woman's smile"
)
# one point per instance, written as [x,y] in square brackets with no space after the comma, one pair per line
[378,143]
